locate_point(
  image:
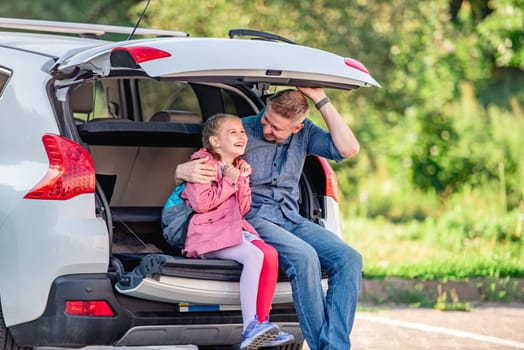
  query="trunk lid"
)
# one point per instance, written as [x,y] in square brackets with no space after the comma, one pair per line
[238,61]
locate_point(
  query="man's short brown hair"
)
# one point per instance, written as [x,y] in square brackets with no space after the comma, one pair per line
[290,104]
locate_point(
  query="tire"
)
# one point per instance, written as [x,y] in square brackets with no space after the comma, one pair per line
[6,340]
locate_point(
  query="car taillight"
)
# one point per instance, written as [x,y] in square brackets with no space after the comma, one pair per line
[350,62]
[139,54]
[331,179]
[71,171]
[98,308]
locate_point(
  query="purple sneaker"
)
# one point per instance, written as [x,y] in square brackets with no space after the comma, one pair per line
[281,339]
[258,333]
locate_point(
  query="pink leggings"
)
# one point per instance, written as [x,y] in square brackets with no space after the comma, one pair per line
[258,279]
[268,279]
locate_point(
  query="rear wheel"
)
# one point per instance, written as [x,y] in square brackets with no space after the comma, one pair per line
[6,340]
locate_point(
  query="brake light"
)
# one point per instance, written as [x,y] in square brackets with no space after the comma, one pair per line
[71,171]
[350,62]
[142,53]
[97,308]
[331,179]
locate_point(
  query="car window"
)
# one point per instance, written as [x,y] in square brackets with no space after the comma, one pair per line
[88,102]
[100,109]
[158,96]
[235,104]
[4,77]
[229,104]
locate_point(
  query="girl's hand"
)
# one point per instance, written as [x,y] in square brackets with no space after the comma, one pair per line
[232,172]
[245,169]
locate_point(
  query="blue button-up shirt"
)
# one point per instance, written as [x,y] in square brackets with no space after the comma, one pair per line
[277,168]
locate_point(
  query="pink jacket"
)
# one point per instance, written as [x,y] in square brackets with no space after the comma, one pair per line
[219,209]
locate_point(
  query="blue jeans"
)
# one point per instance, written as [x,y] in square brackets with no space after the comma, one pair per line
[303,248]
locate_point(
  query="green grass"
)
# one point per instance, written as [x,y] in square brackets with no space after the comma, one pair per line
[406,233]
[418,245]
[432,249]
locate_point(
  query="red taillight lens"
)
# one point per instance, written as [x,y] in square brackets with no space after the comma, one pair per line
[99,308]
[143,53]
[71,171]
[331,179]
[350,62]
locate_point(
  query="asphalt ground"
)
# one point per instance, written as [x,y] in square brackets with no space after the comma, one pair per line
[487,326]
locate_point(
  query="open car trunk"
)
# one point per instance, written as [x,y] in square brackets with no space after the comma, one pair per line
[135,164]
[137,145]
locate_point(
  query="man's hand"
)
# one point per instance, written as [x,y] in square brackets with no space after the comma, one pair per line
[314,94]
[195,171]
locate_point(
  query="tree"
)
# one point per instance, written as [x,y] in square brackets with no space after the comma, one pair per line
[99,11]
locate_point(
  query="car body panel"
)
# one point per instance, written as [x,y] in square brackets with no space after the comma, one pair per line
[52,244]
[50,45]
[193,291]
[332,220]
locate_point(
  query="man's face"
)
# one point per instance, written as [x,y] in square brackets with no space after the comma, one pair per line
[277,128]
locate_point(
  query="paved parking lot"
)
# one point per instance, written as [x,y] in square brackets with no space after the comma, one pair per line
[493,327]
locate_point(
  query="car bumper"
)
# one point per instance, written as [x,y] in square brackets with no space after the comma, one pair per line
[136,322]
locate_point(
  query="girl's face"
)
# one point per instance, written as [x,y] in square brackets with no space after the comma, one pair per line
[230,140]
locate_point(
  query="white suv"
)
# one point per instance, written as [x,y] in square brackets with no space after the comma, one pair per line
[92,131]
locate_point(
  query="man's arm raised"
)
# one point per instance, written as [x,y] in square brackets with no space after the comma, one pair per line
[343,138]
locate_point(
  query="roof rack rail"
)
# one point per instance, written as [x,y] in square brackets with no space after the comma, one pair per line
[82,29]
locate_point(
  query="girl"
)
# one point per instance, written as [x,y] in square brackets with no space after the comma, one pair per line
[218,228]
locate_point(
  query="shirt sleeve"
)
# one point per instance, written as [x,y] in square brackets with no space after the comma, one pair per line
[319,142]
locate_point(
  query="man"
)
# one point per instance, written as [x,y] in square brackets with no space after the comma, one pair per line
[279,138]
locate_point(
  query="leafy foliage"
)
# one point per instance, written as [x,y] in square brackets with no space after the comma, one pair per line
[100,11]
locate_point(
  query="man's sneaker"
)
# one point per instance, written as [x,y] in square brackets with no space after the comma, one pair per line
[281,339]
[258,333]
